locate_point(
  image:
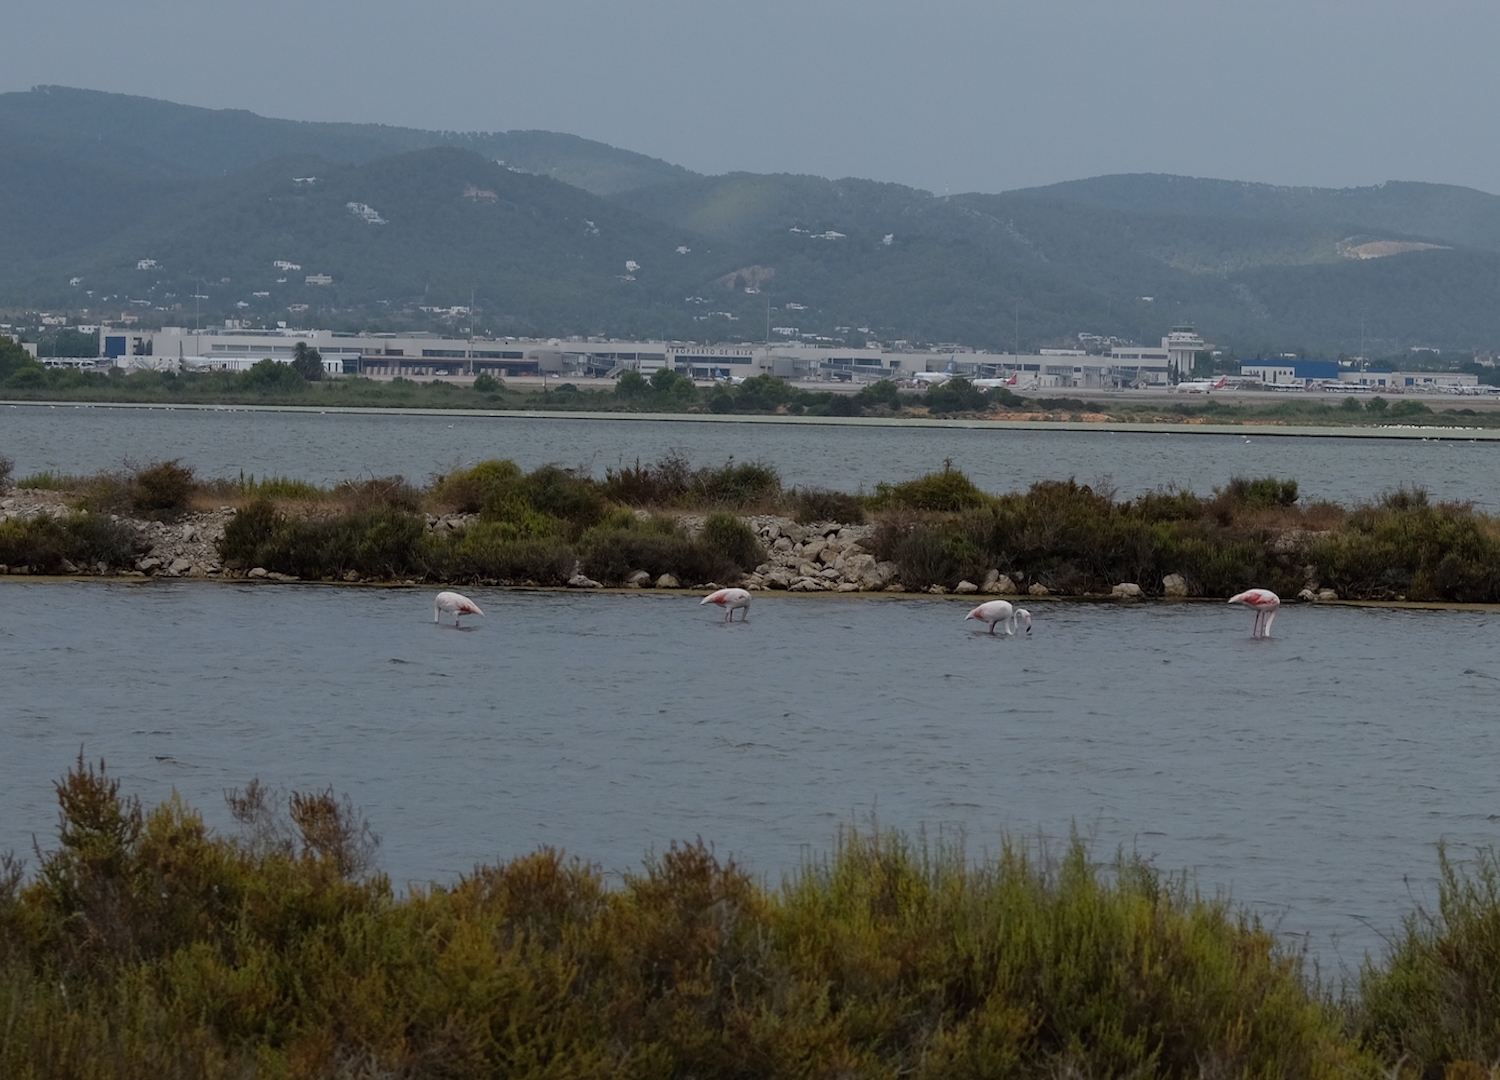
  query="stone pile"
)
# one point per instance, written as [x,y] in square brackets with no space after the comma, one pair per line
[186,547]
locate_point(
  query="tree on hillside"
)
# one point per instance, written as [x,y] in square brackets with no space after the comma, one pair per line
[307,362]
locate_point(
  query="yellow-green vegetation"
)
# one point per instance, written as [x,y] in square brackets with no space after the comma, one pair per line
[148,946]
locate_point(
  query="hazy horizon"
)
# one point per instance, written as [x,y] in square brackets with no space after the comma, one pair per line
[954,96]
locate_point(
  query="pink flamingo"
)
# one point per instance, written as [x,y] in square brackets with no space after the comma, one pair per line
[732,600]
[995,612]
[455,604]
[1265,603]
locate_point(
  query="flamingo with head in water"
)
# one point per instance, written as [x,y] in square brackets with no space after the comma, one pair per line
[996,612]
[1265,603]
[455,604]
[731,600]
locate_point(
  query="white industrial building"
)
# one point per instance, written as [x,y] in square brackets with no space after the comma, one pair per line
[426,355]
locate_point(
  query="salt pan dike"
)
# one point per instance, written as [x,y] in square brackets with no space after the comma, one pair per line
[1337,464]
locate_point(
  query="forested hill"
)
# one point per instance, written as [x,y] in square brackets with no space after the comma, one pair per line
[116,203]
[137,135]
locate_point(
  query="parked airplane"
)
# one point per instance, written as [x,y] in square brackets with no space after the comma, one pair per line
[1011,383]
[935,378]
[1201,386]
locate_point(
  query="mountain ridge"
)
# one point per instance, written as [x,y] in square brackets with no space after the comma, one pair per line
[93,186]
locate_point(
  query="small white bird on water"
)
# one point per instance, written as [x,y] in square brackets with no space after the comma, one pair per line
[455,604]
[995,612]
[730,599]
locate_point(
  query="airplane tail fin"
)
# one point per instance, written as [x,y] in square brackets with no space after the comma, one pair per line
[1220,384]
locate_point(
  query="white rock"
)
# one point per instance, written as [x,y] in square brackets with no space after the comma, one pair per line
[966,587]
[1328,594]
[579,581]
[639,579]
[258,572]
[1038,589]
[180,566]
[1126,589]
[667,581]
[1174,585]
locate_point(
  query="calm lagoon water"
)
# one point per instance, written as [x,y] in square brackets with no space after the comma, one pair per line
[1309,776]
[328,447]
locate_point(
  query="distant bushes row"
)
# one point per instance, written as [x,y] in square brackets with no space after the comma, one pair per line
[149,947]
[940,529]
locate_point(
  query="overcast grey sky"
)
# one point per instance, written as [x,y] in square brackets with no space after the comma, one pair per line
[959,95]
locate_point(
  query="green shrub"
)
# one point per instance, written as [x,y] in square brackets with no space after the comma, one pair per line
[1405,547]
[466,490]
[955,395]
[492,551]
[726,535]
[930,554]
[948,491]
[485,383]
[1259,494]
[746,486]
[664,483]
[43,543]
[810,505]
[611,553]
[7,466]
[564,495]
[162,488]
[381,541]
[271,376]
[1409,407]
[148,945]
[1435,1002]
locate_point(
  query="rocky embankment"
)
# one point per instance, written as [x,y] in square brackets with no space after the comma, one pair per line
[186,547]
[819,557]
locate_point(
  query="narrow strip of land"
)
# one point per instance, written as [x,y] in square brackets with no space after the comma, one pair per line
[1173,427]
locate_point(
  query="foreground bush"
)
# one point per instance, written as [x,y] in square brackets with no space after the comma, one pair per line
[1436,1001]
[149,946]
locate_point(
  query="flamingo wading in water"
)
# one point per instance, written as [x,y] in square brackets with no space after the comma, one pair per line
[996,612]
[1265,603]
[455,604]
[731,600]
